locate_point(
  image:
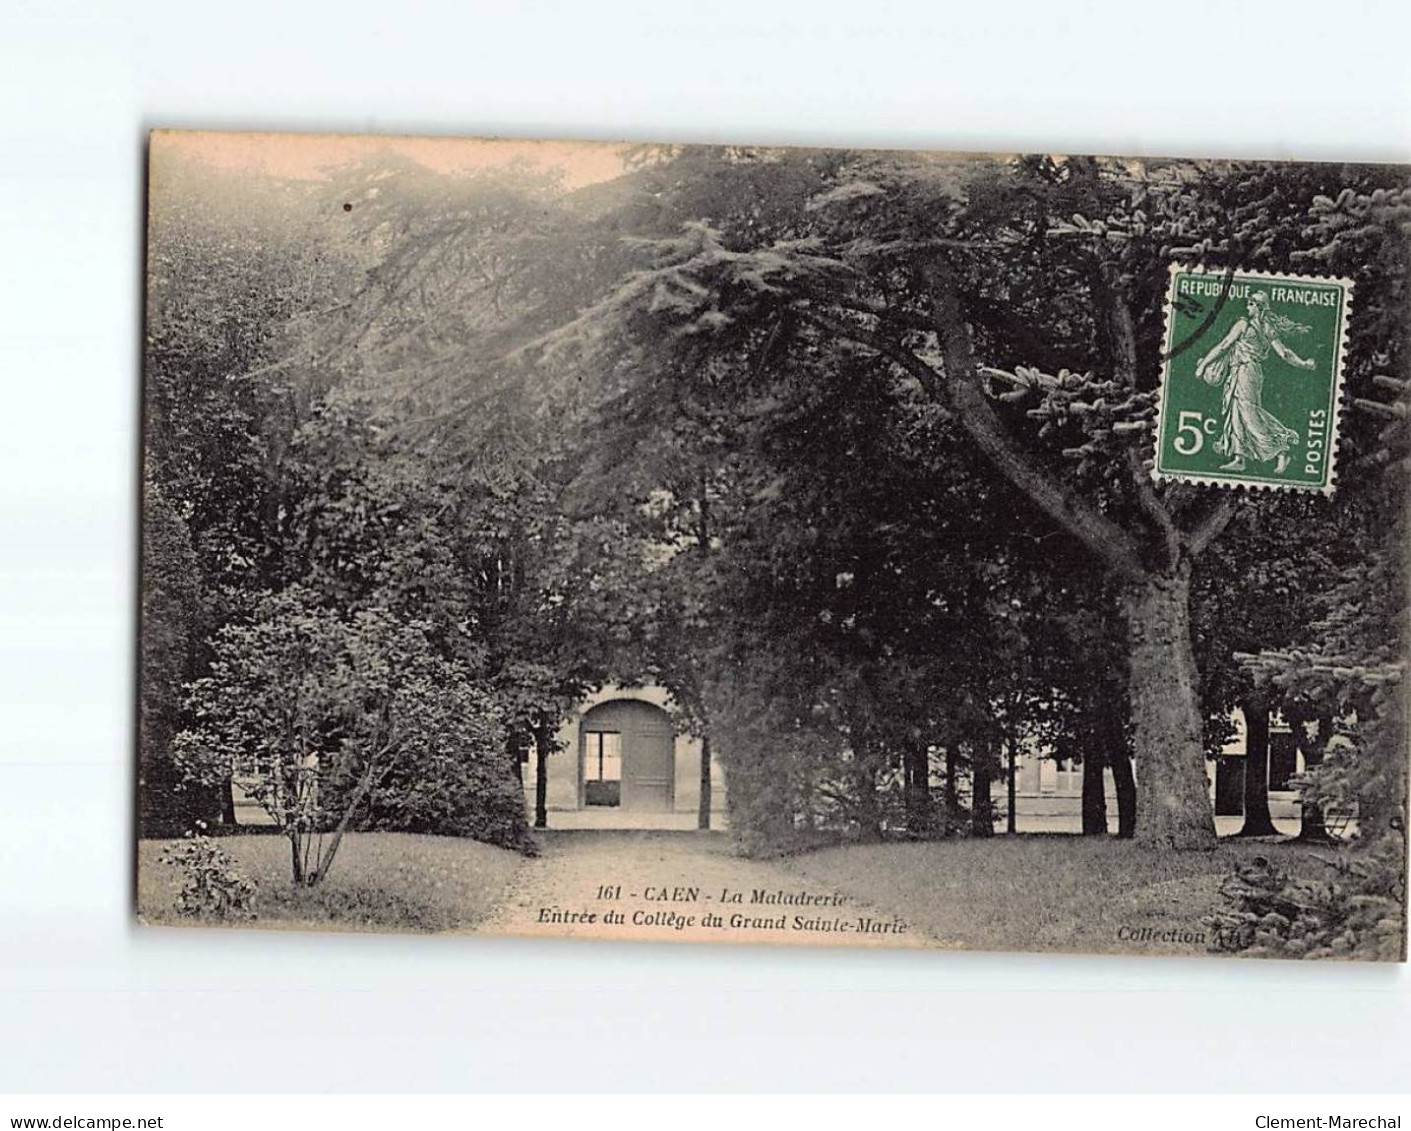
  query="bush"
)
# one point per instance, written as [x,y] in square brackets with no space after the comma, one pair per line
[322,710]
[1357,911]
[213,886]
[456,778]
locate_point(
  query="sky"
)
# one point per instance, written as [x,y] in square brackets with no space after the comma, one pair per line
[308,156]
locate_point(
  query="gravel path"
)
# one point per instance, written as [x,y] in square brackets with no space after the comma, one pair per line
[679,886]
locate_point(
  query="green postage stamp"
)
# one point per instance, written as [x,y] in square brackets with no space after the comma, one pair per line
[1252,382]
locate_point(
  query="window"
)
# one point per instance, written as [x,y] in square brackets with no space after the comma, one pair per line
[602,767]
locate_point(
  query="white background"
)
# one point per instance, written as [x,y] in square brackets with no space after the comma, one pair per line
[89,1003]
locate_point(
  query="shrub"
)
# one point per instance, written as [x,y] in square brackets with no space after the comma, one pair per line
[213,885]
[1356,911]
[455,775]
[320,710]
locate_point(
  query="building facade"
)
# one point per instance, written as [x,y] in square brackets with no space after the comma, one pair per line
[622,762]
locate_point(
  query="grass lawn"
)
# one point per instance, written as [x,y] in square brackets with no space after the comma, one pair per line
[1054,893]
[379,882]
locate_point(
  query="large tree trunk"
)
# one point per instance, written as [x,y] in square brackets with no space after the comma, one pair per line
[916,771]
[703,810]
[1094,804]
[982,776]
[1312,827]
[868,809]
[542,746]
[869,812]
[1173,802]
[1011,821]
[1257,819]
[1174,809]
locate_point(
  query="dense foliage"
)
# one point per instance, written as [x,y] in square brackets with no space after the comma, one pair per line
[1349,668]
[846,450]
[1355,911]
[1004,317]
[317,711]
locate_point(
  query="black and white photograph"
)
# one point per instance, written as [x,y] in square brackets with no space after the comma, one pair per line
[635,565]
[774,545]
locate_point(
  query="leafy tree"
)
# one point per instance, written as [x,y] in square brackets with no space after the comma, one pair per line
[295,425]
[849,566]
[1022,300]
[234,282]
[466,268]
[1079,706]
[1252,592]
[238,278]
[316,711]
[172,619]
[1351,666]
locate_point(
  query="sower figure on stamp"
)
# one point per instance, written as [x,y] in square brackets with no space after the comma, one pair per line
[1250,431]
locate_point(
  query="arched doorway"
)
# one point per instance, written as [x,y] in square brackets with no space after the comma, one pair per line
[626,752]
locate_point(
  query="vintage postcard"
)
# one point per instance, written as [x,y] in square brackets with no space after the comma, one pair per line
[767,545]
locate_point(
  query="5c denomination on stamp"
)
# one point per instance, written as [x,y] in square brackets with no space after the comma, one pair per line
[1252,381]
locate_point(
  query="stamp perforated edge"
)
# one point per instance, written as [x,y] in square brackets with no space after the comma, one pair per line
[1339,371]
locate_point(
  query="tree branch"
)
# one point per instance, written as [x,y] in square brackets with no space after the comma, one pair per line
[1122,336]
[1154,508]
[1212,525]
[930,380]
[1110,542]
[899,318]
[1120,328]
[372,776]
